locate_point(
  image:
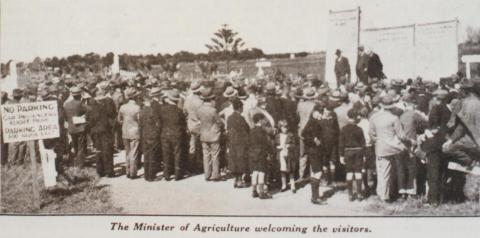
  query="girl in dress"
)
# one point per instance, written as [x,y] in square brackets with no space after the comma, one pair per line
[285,142]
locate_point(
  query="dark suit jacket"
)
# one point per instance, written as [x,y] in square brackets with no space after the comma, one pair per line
[342,67]
[362,66]
[274,108]
[173,120]
[437,120]
[74,108]
[289,108]
[375,67]
[101,115]
[311,131]
[150,124]
[237,129]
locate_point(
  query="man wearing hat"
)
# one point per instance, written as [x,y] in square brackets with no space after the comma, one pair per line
[386,132]
[192,103]
[238,139]
[362,65]
[413,122]
[16,150]
[173,135]
[150,128]
[398,85]
[273,104]
[364,100]
[463,144]
[210,131]
[101,117]
[128,117]
[342,69]
[75,112]
[343,105]
[434,137]
[119,99]
[304,110]
[58,145]
[375,67]
[467,113]
[227,109]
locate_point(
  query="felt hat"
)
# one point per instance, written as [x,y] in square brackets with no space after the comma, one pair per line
[309,93]
[131,93]
[270,87]
[75,91]
[360,86]
[387,102]
[230,92]
[155,91]
[398,82]
[323,89]
[335,96]
[207,94]
[196,86]
[173,95]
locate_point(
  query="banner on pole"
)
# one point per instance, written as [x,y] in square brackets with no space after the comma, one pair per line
[343,29]
[29,121]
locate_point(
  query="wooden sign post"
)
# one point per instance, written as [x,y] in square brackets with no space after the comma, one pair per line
[33,158]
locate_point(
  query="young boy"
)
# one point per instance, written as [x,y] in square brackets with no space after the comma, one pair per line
[259,150]
[313,147]
[352,144]
[237,138]
[284,142]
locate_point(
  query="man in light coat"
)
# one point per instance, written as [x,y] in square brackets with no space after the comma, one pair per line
[386,130]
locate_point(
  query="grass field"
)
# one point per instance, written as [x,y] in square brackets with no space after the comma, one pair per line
[418,207]
[83,197]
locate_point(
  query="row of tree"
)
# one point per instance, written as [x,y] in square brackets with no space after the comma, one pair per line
[225,45]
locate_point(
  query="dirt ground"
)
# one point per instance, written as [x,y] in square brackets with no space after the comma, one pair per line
[195,196]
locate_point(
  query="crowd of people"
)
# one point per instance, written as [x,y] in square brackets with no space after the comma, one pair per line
[389,137]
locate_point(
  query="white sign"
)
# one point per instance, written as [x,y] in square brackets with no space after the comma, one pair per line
[10,82]
[436,50]
[426,50]
[468,59]
[116,64]
[29,121]
[48,165]
[260,65]
[396,48]
[343,29]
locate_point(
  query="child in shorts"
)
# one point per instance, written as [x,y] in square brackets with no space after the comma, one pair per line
[352,145]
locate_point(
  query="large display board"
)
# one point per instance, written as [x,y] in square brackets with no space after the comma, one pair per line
[436,49]
[426,50]
[343,28]
[396,48]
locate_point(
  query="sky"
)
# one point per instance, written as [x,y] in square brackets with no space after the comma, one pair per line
[48,28]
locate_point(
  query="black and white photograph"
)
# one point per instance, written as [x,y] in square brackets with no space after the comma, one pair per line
[240,109]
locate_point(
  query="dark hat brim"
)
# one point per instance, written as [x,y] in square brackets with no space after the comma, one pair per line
[208,97]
